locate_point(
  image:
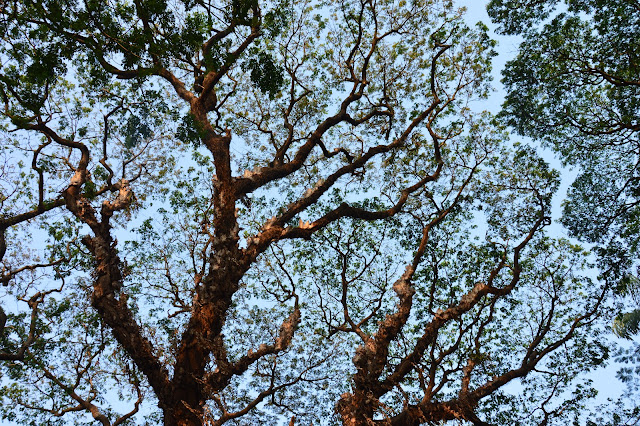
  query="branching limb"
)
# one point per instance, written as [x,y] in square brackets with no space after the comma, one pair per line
[219,378]
[33,303]
[83,404]
[272,390]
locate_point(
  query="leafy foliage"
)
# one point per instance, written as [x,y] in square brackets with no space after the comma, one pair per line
[574,86]
[256,212]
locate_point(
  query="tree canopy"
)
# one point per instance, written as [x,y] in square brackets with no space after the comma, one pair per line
[253,212]
[575,85]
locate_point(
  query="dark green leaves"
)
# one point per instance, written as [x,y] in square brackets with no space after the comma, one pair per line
[240,10]
[514,16]
[136,131]
[188,131]
[575,86]
[265,73]
[627,324]
[277,19]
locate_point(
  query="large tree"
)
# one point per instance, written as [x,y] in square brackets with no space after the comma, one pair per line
[252,212]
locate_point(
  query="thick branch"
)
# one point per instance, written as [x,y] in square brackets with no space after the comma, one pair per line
[85,404]
[218,379]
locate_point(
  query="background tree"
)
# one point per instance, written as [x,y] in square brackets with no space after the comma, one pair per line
[254,212]
[575,86]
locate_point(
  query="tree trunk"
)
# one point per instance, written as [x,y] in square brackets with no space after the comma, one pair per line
[180,415]
[357,409]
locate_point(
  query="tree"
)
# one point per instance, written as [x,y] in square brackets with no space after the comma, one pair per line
[575,86]
[252,212]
